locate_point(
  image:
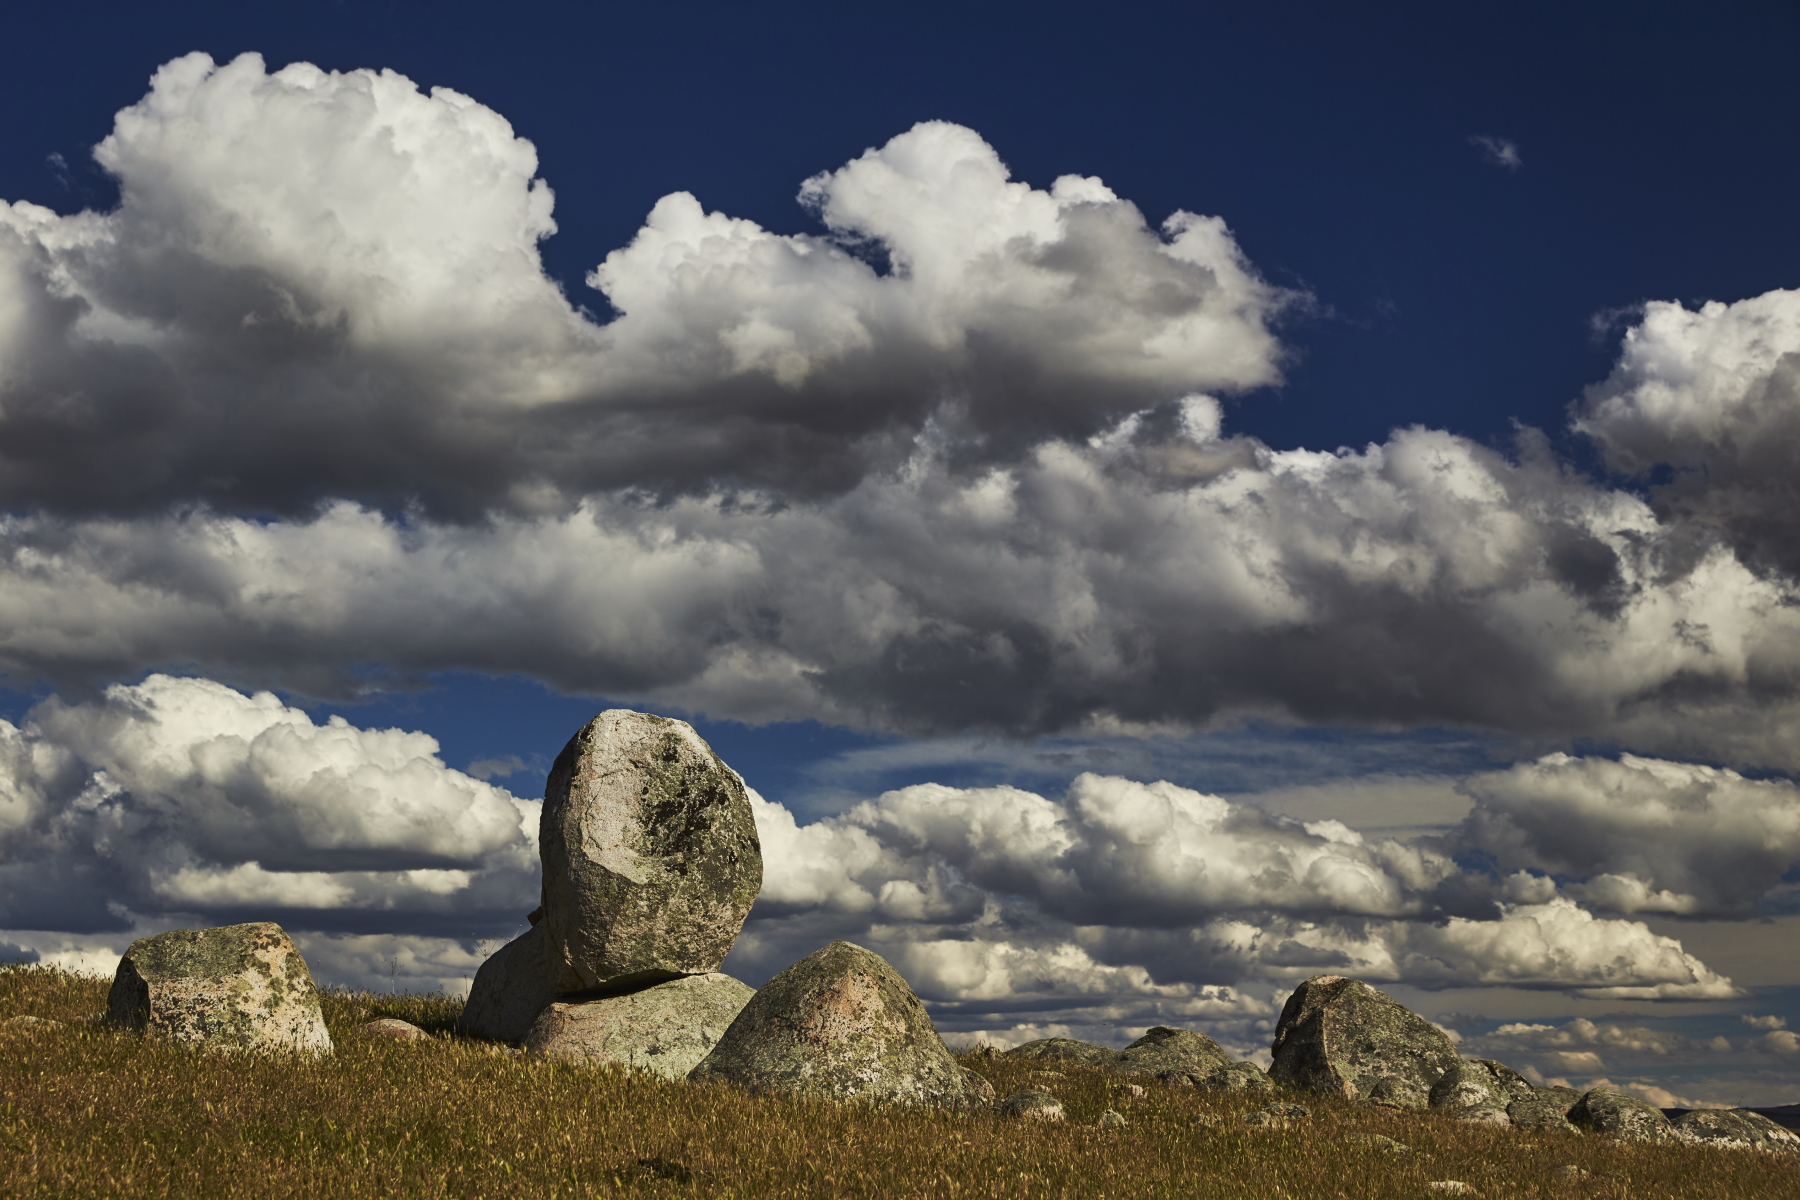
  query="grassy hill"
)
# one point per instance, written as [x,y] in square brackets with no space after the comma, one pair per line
[86,1111]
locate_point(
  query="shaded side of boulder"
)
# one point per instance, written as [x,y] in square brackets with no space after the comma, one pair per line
[1171,1054]
[1735,1129]
[511,988]
[1479,1089]
[1065,1049]
[235,987]
[651,859]
[1238,1077]
[1341,1037]
[1626,1118]
[840,1024]
[666,1028]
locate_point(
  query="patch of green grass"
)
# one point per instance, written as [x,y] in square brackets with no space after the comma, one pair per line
[89,1111]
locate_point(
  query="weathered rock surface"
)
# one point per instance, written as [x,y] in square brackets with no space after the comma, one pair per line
[1623,1117]
[1545,1108]
[1238,1077]
[1478,1083]
[393,1029]
[1735,1129]
[1111,1119]
[1341,1037]
[1278,1116]
[840,1024]
[651,859]
[1066,1049]
[666,1028]
[1175,1055]
[1033,1105]
[236,987]
[511,988]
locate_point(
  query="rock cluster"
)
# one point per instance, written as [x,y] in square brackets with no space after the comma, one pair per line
[651,863]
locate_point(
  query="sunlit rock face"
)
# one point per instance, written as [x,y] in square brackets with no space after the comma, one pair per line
[841,1024]
[665,1029]
[236,987]
[1342,1037]
[651,858]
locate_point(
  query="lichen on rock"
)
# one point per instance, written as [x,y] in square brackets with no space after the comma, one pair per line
[840,1024]
[1341,1037]
[1626,1118]
[235,987]
[1735,1129]
[650,853]
[665,1029]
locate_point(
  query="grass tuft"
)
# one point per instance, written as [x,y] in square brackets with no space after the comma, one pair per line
[89,1111]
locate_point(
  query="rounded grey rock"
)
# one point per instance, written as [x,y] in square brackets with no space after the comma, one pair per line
[1735,1129]
[1341,1037]
[393,1029]
[840,1024]
[1626,1118]
[511,988]
[665,1029]
[1065,1050]
[651,859]
[235,987]
[1238,1077]
[1478,1084]
[1171,1054]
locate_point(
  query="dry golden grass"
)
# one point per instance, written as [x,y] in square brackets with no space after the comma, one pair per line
[87,1111]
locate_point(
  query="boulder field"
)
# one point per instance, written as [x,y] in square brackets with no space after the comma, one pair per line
[651,863]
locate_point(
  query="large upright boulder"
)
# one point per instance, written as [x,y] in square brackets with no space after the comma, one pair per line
[1341,1037]
[511,988]
[651,859]
[237,987]
[1174,1055]
[666,1028]
[841,1024]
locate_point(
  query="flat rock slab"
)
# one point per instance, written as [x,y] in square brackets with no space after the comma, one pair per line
[237,987]
[1625,1118]
[666,1028]
[1341,1037]
[511,988]
[392,1029]
[1735,1129]
[840,1024]
[651,859]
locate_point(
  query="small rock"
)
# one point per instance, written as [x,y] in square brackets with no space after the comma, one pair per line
[665,1029]
[1479,1086]
[651,859]
[1381,1142]
[1570,1173]
[1238,1077]
[981,1091]
[1085,1053]
[29,1024]
[392,1027]
[1483,1116]
[840,1024]
[1134,1091]
[236,987]
[1111,1120]
[1452,1187]
[1625,1118]
[1033,1105]
[1208,1120]
[1277,1115]
[1341,1037]
[511,988]
[1735,1129]
[1535,1112]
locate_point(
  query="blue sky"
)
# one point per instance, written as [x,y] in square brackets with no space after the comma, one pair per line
[1429,477]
